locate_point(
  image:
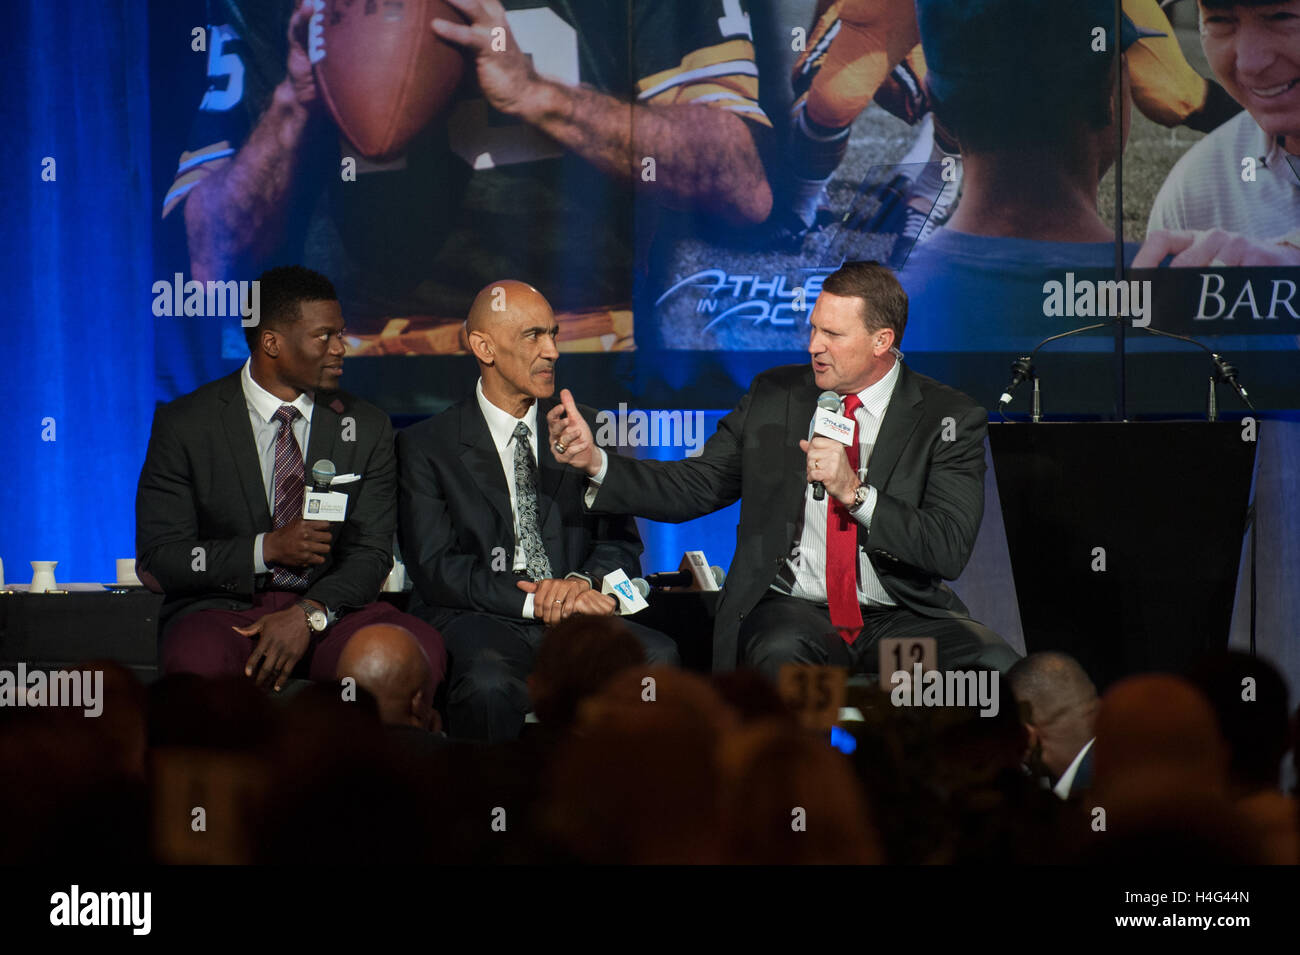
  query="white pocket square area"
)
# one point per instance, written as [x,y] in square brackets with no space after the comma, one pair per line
[345,479]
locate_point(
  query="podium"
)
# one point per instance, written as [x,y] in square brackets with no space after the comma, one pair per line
[1125,538]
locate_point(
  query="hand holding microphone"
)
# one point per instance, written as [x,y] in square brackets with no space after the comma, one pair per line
[827,464]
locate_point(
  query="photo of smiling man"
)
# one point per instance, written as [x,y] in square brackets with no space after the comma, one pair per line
[1234,198]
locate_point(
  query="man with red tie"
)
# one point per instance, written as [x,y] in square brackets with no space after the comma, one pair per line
[252,585]
[824,580]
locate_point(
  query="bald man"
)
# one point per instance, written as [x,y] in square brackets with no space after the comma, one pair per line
[1058,707]
[492,528]
[388,662]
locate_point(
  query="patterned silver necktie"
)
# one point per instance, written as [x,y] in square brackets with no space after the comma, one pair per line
[530,535]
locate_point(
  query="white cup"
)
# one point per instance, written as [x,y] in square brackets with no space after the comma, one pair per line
[126,571]
[42,576]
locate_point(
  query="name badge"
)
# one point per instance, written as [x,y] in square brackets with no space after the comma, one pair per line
[325,506]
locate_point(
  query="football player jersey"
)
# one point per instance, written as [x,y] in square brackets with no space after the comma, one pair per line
[478,196]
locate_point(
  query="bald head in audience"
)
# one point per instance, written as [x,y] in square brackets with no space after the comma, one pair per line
[512,331]
[389,663]
[1058,708]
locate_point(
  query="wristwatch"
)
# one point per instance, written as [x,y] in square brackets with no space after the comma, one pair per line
[316,619]
[859,498]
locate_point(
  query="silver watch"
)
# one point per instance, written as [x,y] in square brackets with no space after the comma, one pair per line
[316,619]
[859,498]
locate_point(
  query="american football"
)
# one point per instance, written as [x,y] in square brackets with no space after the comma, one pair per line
[382,72]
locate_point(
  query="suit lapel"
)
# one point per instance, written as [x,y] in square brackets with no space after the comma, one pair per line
[901,416]
[801,403]
[243,451]
[551,474]
[321,442]
[479,455]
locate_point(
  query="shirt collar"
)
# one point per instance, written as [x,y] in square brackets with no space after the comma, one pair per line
[265,404]
[1273,154]
[501,424]
[1062,787]
[875,398]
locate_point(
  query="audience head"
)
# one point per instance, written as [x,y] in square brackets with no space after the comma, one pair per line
[512,331]
[636,780]
[788,798]
[388,663]
[1058,707]
[1249,698]
[297,342]
[1158,740]
[576,658]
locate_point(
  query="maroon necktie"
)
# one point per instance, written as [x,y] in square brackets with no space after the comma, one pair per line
[288,489]
[842,550]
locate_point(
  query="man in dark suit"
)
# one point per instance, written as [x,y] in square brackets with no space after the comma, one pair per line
[823,581]
[492,527]
[251,586]
[1058,708]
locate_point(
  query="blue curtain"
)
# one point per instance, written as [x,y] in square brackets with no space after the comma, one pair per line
[77,376]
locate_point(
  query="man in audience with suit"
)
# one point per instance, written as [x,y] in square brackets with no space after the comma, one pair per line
[1058,708]
[251,586]
[492,527]
[822,581]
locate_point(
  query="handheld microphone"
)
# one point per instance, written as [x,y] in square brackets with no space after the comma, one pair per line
[827,401]
[681,578]
[322,474]
[641,587]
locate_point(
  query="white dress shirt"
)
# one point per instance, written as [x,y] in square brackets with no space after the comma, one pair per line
[804,575]
[262,406]
[1062,787]
[501,425]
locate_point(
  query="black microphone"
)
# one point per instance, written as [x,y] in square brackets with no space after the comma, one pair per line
[1228,372]
[681,578]
[1224,370]
[322,474]
[828,401]
[1021,369]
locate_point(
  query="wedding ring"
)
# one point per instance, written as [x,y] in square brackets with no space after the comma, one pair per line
[559,446]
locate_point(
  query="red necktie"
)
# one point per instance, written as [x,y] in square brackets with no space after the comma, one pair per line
[842,550]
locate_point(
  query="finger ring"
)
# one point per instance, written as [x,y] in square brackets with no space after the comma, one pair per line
[559,601]
[559,446]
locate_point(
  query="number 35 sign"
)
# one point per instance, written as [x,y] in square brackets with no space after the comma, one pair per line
[813,693]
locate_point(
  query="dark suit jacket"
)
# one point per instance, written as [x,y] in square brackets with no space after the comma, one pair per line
[928,510]
[201,486]
[455,521]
